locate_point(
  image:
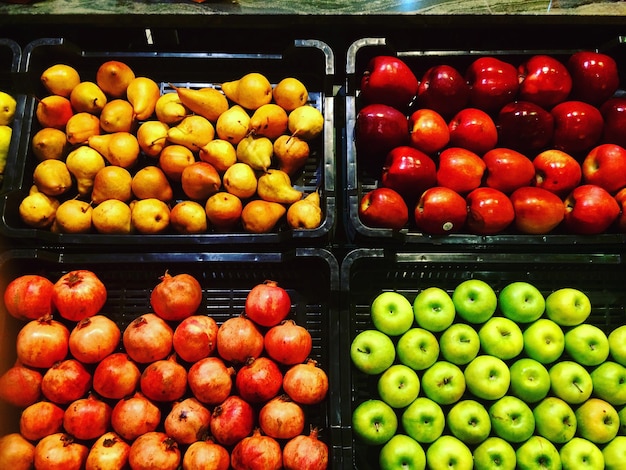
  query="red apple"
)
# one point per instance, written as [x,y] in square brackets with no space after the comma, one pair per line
[493,83]
[620,197]
[443,89]
[544,80]
[594,76]
[613,112]
[428,130]
[605,166]
[557,172]
[489,211]
[409,172]
[525,127]
[383,208]
[388,80]
[473,129]
[460,169]
[508,169]
[537,210]
[577,126]
[440,211]
[590,210]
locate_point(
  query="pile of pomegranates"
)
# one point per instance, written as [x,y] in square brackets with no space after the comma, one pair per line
[171,389]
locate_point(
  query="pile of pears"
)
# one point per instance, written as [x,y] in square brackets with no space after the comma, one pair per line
[118,155]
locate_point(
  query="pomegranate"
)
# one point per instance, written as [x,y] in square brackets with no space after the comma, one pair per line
[306,383]
[41,419]
[281,418]
[87,418]
[42,342]
[59,451]
[195,338]
[238,339]
[116,376]
[232,420]
[259,379]
[148,338]
[65,382]
[78,294]
[257,452]
[305,453]
[210,380]
[176,297]
[94,338]
[109,452]
[134,416]
[207,455]
[164,380]
[16,452]
[188,421]
[154,450]
[267,304]
[288,343]
[29,297]
[20,386]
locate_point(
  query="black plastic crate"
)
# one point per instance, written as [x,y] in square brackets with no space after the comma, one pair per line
[310,275]
[311,61]
[366,272]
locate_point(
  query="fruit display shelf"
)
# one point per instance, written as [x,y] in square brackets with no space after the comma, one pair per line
[310,61]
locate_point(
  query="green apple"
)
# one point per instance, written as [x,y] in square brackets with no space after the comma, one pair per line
[398,386]
[622,421]
[587,344]
[475,300]
[449,453]
[570,381]
[609,382]
[581,454]
[459,343]
[615,454]
[555,420]
[487,377]
[391,313]
[372,352]
[544,341]
[443,382]
[617,345]
[597,420]
[530,380]
[568,306]
[512,419]
[501,337]
[374,422]
[402,452]
[521,302]
[433,309]
[494,453]
[417,348]
[469,421]
[423,420]
[538,453]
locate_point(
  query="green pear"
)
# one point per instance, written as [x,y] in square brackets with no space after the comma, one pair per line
[256,152]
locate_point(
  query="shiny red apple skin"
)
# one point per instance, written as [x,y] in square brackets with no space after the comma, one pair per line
[428,130]
[489,211]
[440,211]
[525,127]
[544,80]
[493,83]
[613,112]
[557,171]
[388,80]
[578,127]
[508,169]
[409,172]
[605,166]
[443,89]
[460,169]
[537,210]
[620,223]
[594,76]
[383,208]
[590,210]
[473,129]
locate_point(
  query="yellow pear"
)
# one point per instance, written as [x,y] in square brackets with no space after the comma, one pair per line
[305,213]
[260,216]
[119,148]
[73,216]
[239,179]
[112,182]
[87,97]
[149,216]
[290,93]
[291,153]
[37,209]
[169,109]
[233,124]
[113,77]
[223,210]
[207,102]
[275,186]
[188,217]
[199,180]
[151,182]
[80,127]
[250,91]
[84,163]
[269,120]
[52,177]
[6,133]
[60,79]
[117,116]
[7,108]
[143,93]
[256,152]
[112,217]
[219,153]
[152,137]
[49,144]
[174,159]
[193,132]
[306,122]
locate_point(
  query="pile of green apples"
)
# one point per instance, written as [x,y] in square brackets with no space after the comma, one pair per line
[479,379]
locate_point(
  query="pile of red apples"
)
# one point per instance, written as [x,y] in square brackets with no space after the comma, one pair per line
[534,147]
